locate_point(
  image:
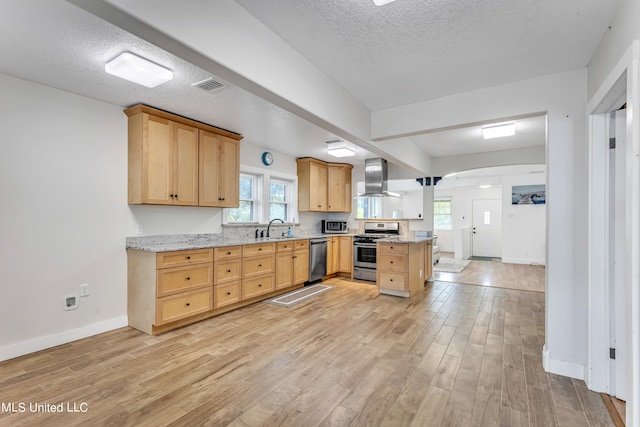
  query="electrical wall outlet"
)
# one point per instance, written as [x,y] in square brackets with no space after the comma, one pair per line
[70,302]
[139,229]
[84,290]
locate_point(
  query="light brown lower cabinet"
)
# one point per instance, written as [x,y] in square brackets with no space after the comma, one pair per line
[167,290]
[340,255]
[292,263]
[400,268]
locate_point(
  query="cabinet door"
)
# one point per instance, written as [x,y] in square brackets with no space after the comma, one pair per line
[229,173]
[284,270]
[301,266]
[318,190]
[336,188]
[346,254]
[158,152]
[185,165]
[331,248]
[208,173]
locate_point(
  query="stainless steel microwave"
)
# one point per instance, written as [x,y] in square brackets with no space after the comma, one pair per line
[334,227]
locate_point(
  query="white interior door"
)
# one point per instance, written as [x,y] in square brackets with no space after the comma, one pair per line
[617,277]
[487,228]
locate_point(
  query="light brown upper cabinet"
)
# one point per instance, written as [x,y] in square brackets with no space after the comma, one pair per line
[178,161]
[219,170]
[323,187]
[339,187]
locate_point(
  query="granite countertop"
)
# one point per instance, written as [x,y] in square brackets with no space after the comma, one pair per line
[201,241]
[404,240]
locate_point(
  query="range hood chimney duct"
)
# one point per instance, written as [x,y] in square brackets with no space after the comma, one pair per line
[375,179]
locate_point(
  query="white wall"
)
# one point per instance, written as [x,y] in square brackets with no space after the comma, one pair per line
[65,215]
[624,29]
[523,226]
[63,180]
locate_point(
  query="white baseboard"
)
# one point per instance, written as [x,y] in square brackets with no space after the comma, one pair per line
[523,261]
[560,367]
[41,343]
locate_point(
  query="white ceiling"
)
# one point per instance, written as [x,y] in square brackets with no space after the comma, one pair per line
[412,50]
[530,132]
[403,52]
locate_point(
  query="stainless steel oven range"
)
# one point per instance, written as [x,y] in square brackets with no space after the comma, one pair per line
[364,248]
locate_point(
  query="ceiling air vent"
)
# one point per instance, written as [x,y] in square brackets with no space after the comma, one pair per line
[209,85]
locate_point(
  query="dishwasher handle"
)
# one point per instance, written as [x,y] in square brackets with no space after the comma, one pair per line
[318,241]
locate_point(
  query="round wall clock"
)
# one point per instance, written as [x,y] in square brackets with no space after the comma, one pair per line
[267,158]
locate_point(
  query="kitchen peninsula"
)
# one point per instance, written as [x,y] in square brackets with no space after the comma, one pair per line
[403,265]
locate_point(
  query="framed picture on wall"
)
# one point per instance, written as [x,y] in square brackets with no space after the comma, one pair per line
[528,194]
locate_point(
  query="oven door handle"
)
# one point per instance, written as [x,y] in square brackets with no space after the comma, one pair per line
[365,245]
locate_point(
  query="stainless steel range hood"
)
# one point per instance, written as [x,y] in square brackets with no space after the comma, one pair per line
[375,179]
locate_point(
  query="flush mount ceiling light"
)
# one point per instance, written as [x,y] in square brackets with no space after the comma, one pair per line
[138,70]
[382,2]
[485,186]
[339,148]
[498,131]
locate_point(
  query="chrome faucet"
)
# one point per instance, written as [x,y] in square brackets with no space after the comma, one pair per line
[271,222]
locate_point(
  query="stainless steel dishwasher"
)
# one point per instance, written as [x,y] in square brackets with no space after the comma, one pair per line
[317,258]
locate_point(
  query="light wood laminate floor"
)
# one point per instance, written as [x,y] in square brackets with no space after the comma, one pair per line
[455,355]
[497,274]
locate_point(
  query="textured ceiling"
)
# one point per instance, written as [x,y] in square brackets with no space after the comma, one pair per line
[399,53]
[57,44]
[413,50]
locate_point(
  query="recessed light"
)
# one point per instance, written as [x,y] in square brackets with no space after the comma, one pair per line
[138,70]
[485,186]
[498,131]
[382,2]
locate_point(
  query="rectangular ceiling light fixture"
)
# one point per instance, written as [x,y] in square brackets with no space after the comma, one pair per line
[382,2]
[339,149]
[498,131]
[138,70]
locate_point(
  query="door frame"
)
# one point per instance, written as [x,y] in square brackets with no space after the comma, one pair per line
[622,84]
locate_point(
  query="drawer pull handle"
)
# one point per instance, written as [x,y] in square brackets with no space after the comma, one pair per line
[228,271]
[391,262]
[228,293]
[259,265]
[188,257]
[391,247]
[188,304]
[391,280]
[188,278]
[228,252]
[259,249]
[260,285]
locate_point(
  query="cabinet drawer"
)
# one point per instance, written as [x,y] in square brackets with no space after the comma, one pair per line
[258,249]
[257,286]
[391,262]
[393,281]
[226,271]
[178,258]
[394,248]
[228,252]
[285,246]
[226,294]
[257,266]
[176,307]
[178,279]
[301,244]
